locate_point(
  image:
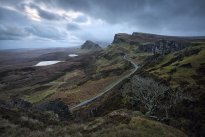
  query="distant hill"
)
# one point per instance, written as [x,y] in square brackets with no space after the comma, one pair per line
[89,45]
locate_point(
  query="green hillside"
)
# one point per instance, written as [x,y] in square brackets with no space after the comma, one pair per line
[182,68]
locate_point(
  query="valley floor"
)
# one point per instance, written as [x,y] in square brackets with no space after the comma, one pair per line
[105,94]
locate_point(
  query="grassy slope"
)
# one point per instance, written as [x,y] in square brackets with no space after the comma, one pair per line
[184,69]
[77,85]
[85,91]
[131,50]
[120,123]
[115,124]
[109,62]
[54,86]
[181,67]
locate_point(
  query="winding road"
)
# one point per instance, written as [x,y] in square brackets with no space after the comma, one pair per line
[109,87]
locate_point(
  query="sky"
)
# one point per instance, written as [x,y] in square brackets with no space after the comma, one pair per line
[68,23]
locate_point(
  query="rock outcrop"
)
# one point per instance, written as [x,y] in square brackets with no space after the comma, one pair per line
[138,38]
[158,44]
[58,107]
[89,45]
[162,46]
[122,38]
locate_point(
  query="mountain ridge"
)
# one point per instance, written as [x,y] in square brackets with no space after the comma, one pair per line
[139,37]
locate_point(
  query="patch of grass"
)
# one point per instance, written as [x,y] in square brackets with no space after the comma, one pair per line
[138,126]
[69,75]
[140,57]
[85,91]
[102,62]
[175,70]
[195,60]
[150,128]
[123,47]
[168,69]
[184,74]
[165,60]
[115,53]
[22,124]
[37,97]
[105,64]
[42,94]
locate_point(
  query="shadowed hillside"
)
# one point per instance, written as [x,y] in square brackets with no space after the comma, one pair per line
[153,101]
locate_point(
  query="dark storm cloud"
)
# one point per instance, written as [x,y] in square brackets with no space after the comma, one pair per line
[45,32]
[17,33]
[147,15]
[48,15]
[83,5]
[133,8]
[9,16]
[12,33]
[77,20]
[45,14]
[9,2]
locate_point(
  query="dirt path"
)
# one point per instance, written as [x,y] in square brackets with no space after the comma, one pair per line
[109,87]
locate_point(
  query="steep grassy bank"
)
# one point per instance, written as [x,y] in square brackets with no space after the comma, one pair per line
[182,68]
[168,88]
[171,88]
[121,123]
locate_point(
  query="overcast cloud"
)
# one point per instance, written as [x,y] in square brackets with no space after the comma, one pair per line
[66,23]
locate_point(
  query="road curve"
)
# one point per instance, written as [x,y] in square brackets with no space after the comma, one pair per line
[109,87]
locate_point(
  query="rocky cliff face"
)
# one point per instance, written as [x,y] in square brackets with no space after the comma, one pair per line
[122,38]
[162,46]
[89,45]
[138,38]
[158,44]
